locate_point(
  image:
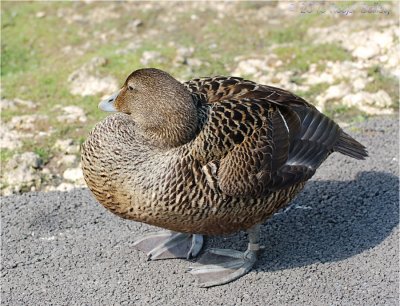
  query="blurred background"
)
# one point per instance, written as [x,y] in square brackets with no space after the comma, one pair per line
[58,59]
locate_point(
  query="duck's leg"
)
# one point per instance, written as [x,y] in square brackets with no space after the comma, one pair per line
[221,266]
[168,244]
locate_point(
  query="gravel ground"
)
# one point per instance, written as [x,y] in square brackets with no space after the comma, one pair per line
[337,245]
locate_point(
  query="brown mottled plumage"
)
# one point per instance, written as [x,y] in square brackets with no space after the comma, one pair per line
[210,156]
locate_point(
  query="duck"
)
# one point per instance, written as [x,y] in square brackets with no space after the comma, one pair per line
[210,156]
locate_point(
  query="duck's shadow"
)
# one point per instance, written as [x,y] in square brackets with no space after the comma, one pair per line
[329,221]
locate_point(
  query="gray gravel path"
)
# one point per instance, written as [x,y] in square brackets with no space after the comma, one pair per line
[337,245]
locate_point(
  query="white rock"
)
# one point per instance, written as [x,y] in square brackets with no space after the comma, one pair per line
[9,139]
[337,91]
[334,92]
[46,171]
[68,160]
[135,23]
[90,85]
[355,99]
[22,172]
[382,99]
[5,104]
[65,187]
[86,82]
[335,71]
[194,62]
[150,57]
[263,70]
[287,7]
[72,114]
[323,77]
[250,67]
[359,38]
[67,146]
[94,63]
[366,52]
[183,54]
[30,159]
[383,39]
[28,122]
[100,15]
[73,174]
[94,16]
[16,103]
[7,191]
[281,79]
[46,174]
[49,188]
[392,65]
[383,58]
[359,84]
[130,48]
[185,51]
[378,103]
[40,14]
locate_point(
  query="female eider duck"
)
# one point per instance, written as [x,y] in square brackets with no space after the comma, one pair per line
[207,157]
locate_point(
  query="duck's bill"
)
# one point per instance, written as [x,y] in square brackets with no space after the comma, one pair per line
[108,105]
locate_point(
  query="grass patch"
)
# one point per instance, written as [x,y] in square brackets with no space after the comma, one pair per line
[5,155]
[313,92]
[299,57]
[44,153]
[338,111]
[287,35]
[28,46]
[294,31]
[383,82]
[43,149]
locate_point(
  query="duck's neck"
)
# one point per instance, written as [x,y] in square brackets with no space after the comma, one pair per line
[172,128]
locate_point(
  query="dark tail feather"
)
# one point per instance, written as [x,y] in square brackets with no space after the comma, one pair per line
[350,147]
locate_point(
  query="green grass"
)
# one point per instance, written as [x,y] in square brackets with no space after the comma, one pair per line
[5,155]
[44,153]
[299,56]
[344,113]
[383,82]
[313,92]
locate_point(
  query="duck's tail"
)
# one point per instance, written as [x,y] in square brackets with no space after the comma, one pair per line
[347,145]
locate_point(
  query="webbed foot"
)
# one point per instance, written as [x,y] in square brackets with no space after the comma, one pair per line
[168,244]
[221,266]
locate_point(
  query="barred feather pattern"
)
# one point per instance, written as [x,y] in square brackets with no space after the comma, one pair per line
[254,150]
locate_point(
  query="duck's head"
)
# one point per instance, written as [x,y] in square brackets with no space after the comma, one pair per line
[159,104]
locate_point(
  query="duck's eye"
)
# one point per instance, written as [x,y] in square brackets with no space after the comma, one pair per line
[130,87]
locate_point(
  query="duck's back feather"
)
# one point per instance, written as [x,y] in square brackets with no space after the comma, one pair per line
[256,139]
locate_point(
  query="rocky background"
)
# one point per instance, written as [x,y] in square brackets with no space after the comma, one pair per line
[59,59]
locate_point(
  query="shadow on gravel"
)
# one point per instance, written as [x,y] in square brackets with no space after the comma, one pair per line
[329,221]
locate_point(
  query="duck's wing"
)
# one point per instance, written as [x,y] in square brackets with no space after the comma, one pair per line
[263,140]
[220,88]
